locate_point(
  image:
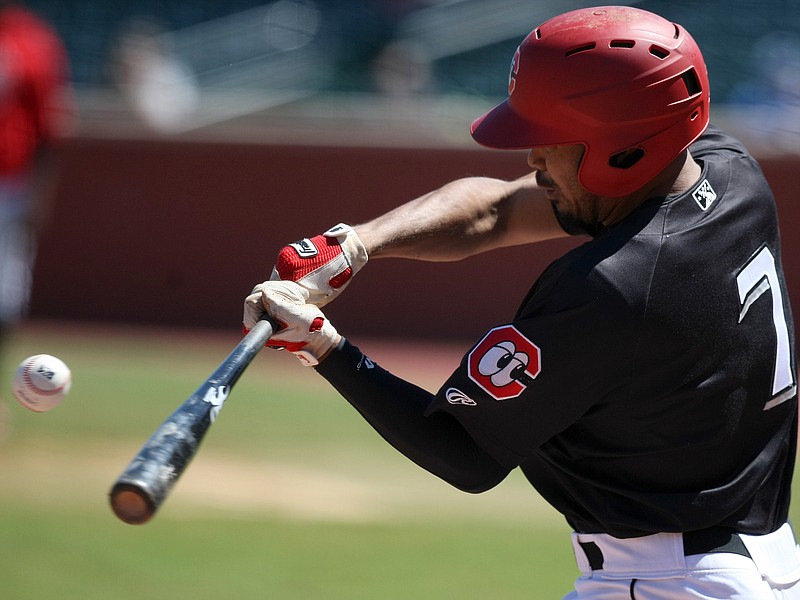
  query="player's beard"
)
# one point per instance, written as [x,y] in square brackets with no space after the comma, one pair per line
[572,223]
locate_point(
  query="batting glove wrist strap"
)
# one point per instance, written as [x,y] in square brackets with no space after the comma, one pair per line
[304,330]
[324,264]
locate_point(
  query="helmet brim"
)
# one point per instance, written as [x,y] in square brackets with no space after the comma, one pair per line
[502,128]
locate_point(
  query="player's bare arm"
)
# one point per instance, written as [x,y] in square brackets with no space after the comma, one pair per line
[465,217]
[462,218]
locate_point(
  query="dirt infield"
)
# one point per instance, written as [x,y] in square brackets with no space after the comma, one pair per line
[45,474]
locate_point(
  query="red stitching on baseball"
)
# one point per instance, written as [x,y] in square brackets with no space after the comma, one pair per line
[29,382]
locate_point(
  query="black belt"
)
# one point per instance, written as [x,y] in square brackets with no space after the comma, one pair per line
[705,541]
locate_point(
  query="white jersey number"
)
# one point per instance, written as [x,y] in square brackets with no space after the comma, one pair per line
[758,277]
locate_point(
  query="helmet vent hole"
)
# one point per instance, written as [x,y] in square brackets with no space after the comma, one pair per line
[537,34]
[622,44]
[659,52]
[692,82]
[677,31]
[579,49]
[626,159]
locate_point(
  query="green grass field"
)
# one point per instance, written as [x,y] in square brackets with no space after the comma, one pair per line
[292,495]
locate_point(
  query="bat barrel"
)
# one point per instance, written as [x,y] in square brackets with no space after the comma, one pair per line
[148,479]
[131,503]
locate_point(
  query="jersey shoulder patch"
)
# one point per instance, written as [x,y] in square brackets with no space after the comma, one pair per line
[504,362]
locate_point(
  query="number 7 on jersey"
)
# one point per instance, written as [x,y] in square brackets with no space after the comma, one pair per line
[758,277]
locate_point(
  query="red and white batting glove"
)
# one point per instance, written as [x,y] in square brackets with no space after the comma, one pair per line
[304,330]
[324,264]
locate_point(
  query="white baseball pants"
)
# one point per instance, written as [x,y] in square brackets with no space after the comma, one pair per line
[655,567]
[17,252]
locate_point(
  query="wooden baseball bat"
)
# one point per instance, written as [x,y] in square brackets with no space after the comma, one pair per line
[151,475]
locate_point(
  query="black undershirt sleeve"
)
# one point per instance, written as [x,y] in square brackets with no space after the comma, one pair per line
[396,410]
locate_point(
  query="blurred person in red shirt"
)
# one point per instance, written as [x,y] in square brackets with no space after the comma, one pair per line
[36,110]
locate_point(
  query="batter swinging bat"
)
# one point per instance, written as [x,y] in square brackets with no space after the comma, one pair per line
[152,473]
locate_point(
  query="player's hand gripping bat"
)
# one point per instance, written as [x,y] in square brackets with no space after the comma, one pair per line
[150,476]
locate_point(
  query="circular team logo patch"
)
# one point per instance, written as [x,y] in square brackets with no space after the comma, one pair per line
[504,363]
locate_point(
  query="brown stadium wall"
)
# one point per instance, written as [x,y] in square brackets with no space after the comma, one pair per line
[177,233]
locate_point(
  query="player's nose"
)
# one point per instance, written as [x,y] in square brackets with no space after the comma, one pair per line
[536,159]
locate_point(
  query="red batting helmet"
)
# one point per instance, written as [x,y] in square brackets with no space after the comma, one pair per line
[619,80]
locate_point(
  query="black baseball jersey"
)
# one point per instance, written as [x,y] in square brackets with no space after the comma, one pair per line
[647,382]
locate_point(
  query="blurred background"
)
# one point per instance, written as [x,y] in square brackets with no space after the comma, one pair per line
[190,65]
[208,134]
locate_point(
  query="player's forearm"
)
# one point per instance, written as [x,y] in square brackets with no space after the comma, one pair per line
[464,217]
[396,409]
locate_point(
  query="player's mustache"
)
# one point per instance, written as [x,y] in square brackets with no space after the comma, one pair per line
[543,181]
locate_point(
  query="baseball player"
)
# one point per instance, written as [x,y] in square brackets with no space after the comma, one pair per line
[647,384]
[36,111]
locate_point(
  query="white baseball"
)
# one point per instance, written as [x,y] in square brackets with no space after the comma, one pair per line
[41,382]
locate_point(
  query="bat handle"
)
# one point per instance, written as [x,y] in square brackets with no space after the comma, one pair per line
[262,331]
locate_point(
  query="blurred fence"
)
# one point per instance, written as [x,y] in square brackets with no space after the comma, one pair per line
[177,233]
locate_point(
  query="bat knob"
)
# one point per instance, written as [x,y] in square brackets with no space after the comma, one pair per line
[131,504]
